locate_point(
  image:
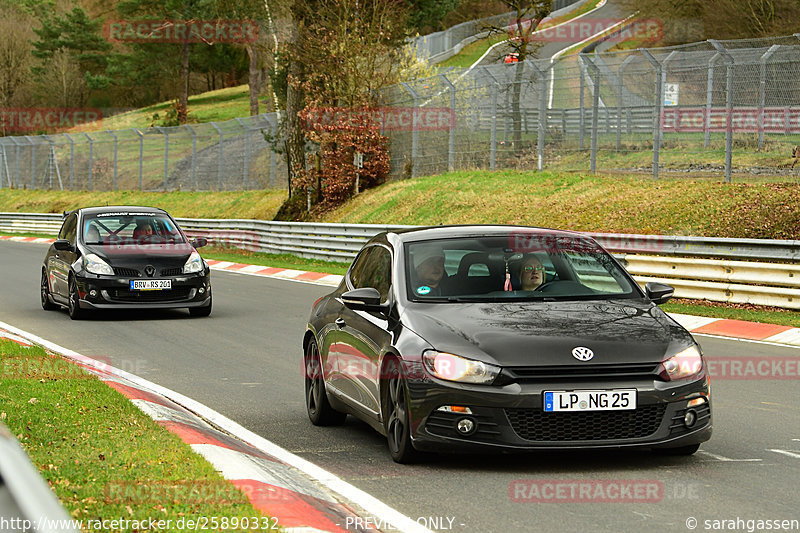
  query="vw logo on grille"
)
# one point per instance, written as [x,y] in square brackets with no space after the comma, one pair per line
[581,353]
[150,271]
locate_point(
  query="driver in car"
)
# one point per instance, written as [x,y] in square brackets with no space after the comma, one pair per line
[531,273]
[429,270]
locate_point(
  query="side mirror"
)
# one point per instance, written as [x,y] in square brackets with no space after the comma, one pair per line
[364,299]
[199,242]
[62,245]
[659,293]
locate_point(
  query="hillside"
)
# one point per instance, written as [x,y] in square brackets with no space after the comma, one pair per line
[558,200]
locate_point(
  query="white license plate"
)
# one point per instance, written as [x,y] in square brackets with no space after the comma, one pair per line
[151,284]
[590,400]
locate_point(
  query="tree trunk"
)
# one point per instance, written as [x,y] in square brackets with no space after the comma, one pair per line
[183,102]
[254,79]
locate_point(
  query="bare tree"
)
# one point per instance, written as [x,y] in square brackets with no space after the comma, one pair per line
[527,16]
[15,55]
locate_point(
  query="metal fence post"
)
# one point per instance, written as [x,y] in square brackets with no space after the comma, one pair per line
[664,73]
[16,161]
[194,155]
[71,159]
[165,133]
[493,141]
[272,158]
[33,161]
[451,141]
[219,156]
[246,167]
[595,73]
[542,77]
[414,132]
[709,100]
[728,107]
[657,118]
[581,118]
[114,183]
[762,92]
[91,158]
[620,86]
[141,154]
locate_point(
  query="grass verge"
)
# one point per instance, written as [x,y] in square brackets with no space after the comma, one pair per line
[750,313]
[102,456]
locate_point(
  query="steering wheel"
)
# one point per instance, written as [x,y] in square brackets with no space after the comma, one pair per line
[544,285]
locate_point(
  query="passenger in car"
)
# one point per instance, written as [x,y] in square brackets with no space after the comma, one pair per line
[429,269]
[531,274]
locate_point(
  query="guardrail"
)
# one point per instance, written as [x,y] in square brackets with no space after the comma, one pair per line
[757,271]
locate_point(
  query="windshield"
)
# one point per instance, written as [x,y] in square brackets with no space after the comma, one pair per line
[129,228]
[507,267]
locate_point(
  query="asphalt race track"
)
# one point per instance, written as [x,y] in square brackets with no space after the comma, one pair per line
[244,361]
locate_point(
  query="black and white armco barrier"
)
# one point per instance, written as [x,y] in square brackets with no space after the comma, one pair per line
[758,271]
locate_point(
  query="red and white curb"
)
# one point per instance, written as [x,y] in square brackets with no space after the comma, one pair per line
[300,495]
[722,327]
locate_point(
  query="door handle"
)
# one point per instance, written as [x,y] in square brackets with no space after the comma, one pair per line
[340,323]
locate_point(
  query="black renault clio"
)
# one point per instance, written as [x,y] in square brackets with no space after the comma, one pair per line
[124,258]
[503,338]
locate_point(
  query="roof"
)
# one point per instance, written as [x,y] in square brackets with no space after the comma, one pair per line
[471,230]
[122,209]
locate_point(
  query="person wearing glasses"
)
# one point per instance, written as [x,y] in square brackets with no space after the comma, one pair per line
[429,273]
[531,273]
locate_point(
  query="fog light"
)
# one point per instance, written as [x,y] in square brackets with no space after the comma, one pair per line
[93,293]
[202,290]
[465,426]
[689,418]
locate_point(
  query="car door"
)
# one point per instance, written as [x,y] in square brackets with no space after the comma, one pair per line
[364,333]
[60,260]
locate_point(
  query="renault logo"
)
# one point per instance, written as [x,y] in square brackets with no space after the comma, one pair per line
[150,271]
[581,353]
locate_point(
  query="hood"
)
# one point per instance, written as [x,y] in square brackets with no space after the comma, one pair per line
[544,333]
[140,255]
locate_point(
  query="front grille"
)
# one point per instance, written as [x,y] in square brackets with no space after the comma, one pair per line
[126,272]
[444,424]
[123,295]
[172,271]
[535,425]
[583,372]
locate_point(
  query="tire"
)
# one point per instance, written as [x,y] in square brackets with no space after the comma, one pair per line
[75,312]
[681,450]
[201,311]
[319,410]
[398,428]
[44,289]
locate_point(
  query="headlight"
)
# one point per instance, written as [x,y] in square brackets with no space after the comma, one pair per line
[95,265]
[193,264]
[454,368]
[682,365]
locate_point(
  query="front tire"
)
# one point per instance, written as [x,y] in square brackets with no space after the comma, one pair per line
[398,427]
[74,308]
[47,303]
[319,409]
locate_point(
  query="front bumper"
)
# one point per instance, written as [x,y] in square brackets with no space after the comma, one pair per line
[512,417]
[113,292]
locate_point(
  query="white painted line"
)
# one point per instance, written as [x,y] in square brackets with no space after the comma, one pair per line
[162,413]
[288,273]
[790,336]
[233,464]
[15,338]
[272,276]
[793,454]
[252,268]
[728,459]
[370,504]
[691,322]
[331,279]
[221,265]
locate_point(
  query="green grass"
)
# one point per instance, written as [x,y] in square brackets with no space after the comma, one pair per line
[259,204]
[102,456]
[219,105]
